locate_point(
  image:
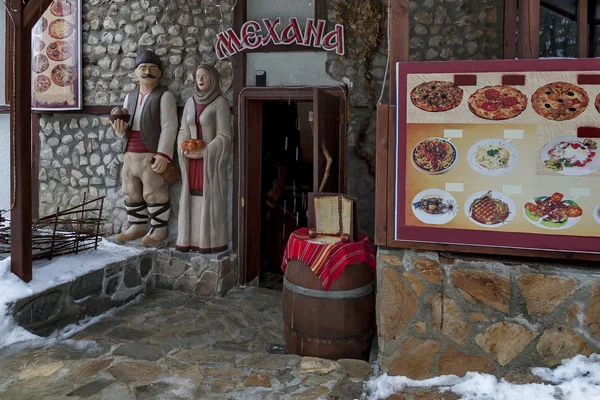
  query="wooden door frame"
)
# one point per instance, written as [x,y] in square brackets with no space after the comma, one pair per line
[245,179]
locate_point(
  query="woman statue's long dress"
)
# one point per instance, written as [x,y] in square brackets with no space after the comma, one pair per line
[202,223]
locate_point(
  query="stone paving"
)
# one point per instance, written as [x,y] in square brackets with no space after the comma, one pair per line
[173,345]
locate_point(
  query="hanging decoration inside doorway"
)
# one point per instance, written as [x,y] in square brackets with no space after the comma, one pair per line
[253,35]
[56,58]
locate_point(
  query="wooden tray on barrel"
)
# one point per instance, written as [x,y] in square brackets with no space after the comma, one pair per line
[332,217]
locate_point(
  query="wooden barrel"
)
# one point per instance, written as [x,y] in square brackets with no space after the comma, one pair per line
[334,324]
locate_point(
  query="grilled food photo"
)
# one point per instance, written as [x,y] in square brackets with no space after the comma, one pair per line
[552,211]
[488,210]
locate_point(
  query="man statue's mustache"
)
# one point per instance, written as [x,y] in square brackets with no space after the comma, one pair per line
[148,76]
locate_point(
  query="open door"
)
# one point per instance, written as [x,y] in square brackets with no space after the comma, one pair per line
[327,118]
[252,203]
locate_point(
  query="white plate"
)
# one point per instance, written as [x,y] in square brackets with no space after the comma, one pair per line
[495,195]
[436,172]
[597,213]
[571,222]
[430,219]
[512,161]
[571,171]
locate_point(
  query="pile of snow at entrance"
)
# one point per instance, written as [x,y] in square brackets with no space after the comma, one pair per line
[48,274]
[577,378]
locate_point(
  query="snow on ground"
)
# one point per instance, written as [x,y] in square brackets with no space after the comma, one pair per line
[575,379]
[47,274]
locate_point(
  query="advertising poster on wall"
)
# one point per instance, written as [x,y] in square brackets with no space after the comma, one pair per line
[500,153]
[56,58]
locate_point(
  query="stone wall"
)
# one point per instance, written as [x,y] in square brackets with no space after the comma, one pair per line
[121,282]
[202,275]
[81,152]
[87,296]
[449,314]
[462,30]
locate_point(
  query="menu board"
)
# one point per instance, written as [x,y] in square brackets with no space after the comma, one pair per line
[56,58]
[499,153]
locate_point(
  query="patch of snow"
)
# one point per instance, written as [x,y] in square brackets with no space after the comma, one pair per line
[48,274]
[577,378]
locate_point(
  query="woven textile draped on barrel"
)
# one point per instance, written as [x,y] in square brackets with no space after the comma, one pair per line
[327,261]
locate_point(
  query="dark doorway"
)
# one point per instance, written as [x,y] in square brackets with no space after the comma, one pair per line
[283,132]
[286,180]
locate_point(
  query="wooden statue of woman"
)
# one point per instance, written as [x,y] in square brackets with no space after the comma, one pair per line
[204,144]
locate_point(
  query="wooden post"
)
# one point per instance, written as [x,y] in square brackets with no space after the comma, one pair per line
[582,29]
[399,38]
[529,29]
[510,29]
[20,124]
[23,17]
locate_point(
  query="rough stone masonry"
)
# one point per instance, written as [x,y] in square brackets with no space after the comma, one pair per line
[450,314]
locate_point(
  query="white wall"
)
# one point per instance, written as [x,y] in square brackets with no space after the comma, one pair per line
[289,69]
[301,9]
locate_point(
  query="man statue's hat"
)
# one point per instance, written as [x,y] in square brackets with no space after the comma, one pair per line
[148,57]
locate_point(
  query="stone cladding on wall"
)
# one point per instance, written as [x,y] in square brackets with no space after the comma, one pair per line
[450,314]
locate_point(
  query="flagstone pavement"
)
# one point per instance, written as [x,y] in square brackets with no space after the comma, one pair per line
[172,345]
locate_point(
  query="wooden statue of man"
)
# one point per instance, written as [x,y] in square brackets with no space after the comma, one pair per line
[150,141]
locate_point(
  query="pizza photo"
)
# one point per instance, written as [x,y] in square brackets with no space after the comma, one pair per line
[436,96]
[559,101]
[40,63]
[60,29]
[60,50]
[38,44]
[42,83]
[497,102]
[64,75]
[40,26]
[597,103]
[62,8]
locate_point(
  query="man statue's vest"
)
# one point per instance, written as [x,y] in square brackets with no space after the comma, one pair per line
[150,127]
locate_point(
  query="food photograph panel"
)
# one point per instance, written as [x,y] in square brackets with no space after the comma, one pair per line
[499,153]
[56,58]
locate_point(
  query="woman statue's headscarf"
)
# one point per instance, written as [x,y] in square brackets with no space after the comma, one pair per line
[209,94]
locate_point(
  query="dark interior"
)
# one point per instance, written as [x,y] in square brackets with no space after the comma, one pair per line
[286,178]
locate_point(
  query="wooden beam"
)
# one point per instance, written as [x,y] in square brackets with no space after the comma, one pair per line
[529,29]
[33,10]
[399,37]
[510,29]
[381,161]
[20,107]
[582,29]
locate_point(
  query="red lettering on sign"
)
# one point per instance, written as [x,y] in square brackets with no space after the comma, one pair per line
[292,33]
[271,32]
[314,33]
[229,42]
[334,40]
[249,36]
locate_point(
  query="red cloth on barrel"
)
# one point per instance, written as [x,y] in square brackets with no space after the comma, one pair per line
[327,261]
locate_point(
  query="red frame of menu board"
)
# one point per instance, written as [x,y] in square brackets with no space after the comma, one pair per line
[401,235]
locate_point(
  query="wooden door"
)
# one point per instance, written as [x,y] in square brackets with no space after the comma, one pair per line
[250,237]
[327,127]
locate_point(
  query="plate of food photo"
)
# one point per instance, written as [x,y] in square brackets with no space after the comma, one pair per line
[552,212]
[434,156]
[571,156]
[493,157]
[434,207]
[490,209]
